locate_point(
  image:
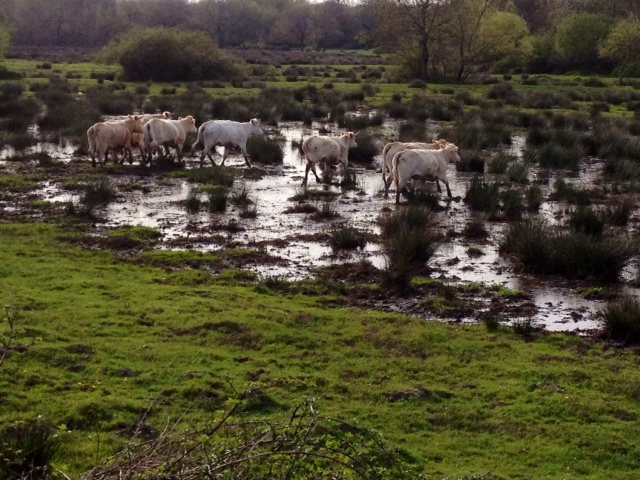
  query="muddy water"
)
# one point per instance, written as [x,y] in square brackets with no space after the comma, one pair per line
[294,237]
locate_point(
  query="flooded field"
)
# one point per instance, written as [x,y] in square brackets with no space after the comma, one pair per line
[297,245]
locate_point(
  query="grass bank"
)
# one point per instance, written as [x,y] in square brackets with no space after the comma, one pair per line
[101,345]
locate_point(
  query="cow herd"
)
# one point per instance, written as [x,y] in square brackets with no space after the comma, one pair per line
[401,162]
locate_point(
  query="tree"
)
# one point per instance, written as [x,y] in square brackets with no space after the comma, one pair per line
[167,55]
[296,27]
[5,40]
[578,36]
[622,45]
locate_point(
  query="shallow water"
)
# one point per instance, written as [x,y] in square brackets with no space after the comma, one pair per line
[281,234]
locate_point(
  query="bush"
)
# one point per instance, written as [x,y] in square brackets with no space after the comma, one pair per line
[621,319]
[265,150]
[177,56]
[409,244]
[346,237]
[27,450]
[538,248]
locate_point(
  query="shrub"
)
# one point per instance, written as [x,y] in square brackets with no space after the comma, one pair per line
[537,248]
[483,196]
[621,319]
[177,55]
[409,244]
[366,150]
[587,220]
[346,237]
[217,195]
[265,150]
[27,450]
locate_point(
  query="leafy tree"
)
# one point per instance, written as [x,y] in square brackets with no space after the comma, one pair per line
[296,26]
[5,39]
[578,36]
[622,45]
[166,55]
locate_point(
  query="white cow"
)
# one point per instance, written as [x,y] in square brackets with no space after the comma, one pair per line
[113,135]
[167,133]
[227,134]
[328,151]
[391,148]
[429,165]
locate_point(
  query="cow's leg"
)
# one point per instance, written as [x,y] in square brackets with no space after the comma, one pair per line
[225,152]
[313,169]
[246,157]
[306,173]
[446,182]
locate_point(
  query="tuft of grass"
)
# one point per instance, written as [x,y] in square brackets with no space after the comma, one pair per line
[538,248]
[192,202]
[217,196]
[621,319]
[483,196]
[27,450]
[587,220]
[265,150]
[224,176]
[346,237]
[132,236]
[409,244]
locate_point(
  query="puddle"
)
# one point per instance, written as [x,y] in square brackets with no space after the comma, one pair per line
[292,237]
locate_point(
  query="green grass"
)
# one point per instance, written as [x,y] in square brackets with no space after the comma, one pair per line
[102,341]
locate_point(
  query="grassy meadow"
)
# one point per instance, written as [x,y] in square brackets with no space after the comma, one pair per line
[101,346]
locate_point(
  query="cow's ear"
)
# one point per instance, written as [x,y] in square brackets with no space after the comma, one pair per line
[254,121]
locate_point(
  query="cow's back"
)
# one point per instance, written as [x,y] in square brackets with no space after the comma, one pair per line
[318,148]
[223,132]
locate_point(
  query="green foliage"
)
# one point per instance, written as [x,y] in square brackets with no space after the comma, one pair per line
[409,243]
[5,39]
[168,55]
[621,319]
[27,450]
[538,248]
[265,150]
[578,37]
[622,45]
[346,237]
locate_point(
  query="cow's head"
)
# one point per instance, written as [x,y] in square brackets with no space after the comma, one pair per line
[256,129]
[451,151]
[351,139]
[189,124]
[136,122]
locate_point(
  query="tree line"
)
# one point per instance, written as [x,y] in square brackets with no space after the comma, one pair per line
[448,40]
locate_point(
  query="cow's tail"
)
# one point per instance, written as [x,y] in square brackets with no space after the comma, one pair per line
[91,139]
[198,141]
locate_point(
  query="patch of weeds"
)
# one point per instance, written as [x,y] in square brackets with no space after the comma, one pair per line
[27,450]
[192,202]
[524,327]
[475,252]
[422,195]
[572,194]
[539,248]
[346,237]
[475,228]
[618,215]
[236,277]
[512,205]
[471,161]
[248,210]
[621,320]
[439,305]
[505,292]
[366,150]
[591,293]
[483,196]
[224,176]
[326,211]
[491,321]
[587,220]
[131,237]
[409,243]
[265,150]
[533,198]
[518,172]
[178,258]
[217,196]
[241,196]
[555,156]
[302,208]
